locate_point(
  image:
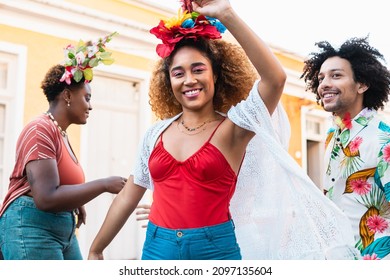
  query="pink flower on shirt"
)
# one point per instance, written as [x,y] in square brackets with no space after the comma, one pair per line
[360,186]
[386,153]
[377,224]
[355,144]
[371,257]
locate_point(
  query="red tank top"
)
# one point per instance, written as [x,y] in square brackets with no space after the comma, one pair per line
[192,193]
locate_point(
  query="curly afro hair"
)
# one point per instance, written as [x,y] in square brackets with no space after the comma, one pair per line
[52,86]
[366,67]
[235,77]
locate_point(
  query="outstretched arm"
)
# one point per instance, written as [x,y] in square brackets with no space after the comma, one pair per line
[120,210]
[270,70]
[50,196]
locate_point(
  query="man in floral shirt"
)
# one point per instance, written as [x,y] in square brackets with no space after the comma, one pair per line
[353,84]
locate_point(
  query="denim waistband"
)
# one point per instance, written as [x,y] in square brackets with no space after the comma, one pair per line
[28,201]
[193,233]
[25,200]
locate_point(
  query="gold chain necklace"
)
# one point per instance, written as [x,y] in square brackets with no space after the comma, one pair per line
[193,130]
[63,132]
[186,131]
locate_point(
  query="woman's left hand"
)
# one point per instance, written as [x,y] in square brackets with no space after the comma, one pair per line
[81,216]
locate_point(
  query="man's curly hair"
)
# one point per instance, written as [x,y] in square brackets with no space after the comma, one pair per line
[366,67]
[235,77]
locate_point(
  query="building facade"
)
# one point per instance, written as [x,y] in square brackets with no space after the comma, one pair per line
[32,36]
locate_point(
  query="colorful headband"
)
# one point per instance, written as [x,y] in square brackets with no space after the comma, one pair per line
[187,25]
[80,60]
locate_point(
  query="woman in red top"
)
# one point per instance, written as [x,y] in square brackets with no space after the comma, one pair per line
[47,190]
[195,152]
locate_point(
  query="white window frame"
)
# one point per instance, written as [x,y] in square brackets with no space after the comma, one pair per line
[14,114]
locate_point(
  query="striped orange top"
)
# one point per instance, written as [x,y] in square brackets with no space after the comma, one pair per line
[39,140]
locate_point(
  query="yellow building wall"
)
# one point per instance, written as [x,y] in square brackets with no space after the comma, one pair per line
[43,51]
[290,61]
[126,8]
[293,104]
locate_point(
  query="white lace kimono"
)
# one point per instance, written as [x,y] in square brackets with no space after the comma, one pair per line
[278,211]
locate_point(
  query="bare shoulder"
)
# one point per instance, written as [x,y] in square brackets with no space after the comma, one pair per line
[231,137]
[232,142]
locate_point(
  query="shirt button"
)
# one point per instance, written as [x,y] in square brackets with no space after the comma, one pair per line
[333,179]
[179,234]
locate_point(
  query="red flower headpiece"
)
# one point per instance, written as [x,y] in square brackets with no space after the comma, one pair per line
[189,25]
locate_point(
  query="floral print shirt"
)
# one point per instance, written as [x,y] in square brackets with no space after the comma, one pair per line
[357,178]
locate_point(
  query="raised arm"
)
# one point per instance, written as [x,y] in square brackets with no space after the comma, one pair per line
[267,65]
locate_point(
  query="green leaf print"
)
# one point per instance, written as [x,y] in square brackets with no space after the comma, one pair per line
[350,165]
[362,120]
[344,137]
[382,167]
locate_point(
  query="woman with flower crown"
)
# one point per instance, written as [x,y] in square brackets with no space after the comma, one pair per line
[47,191]
[213,140]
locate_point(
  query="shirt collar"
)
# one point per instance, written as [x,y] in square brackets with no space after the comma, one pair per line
[349,128]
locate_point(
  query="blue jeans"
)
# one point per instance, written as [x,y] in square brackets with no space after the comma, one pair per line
[27,233]
[208,243]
